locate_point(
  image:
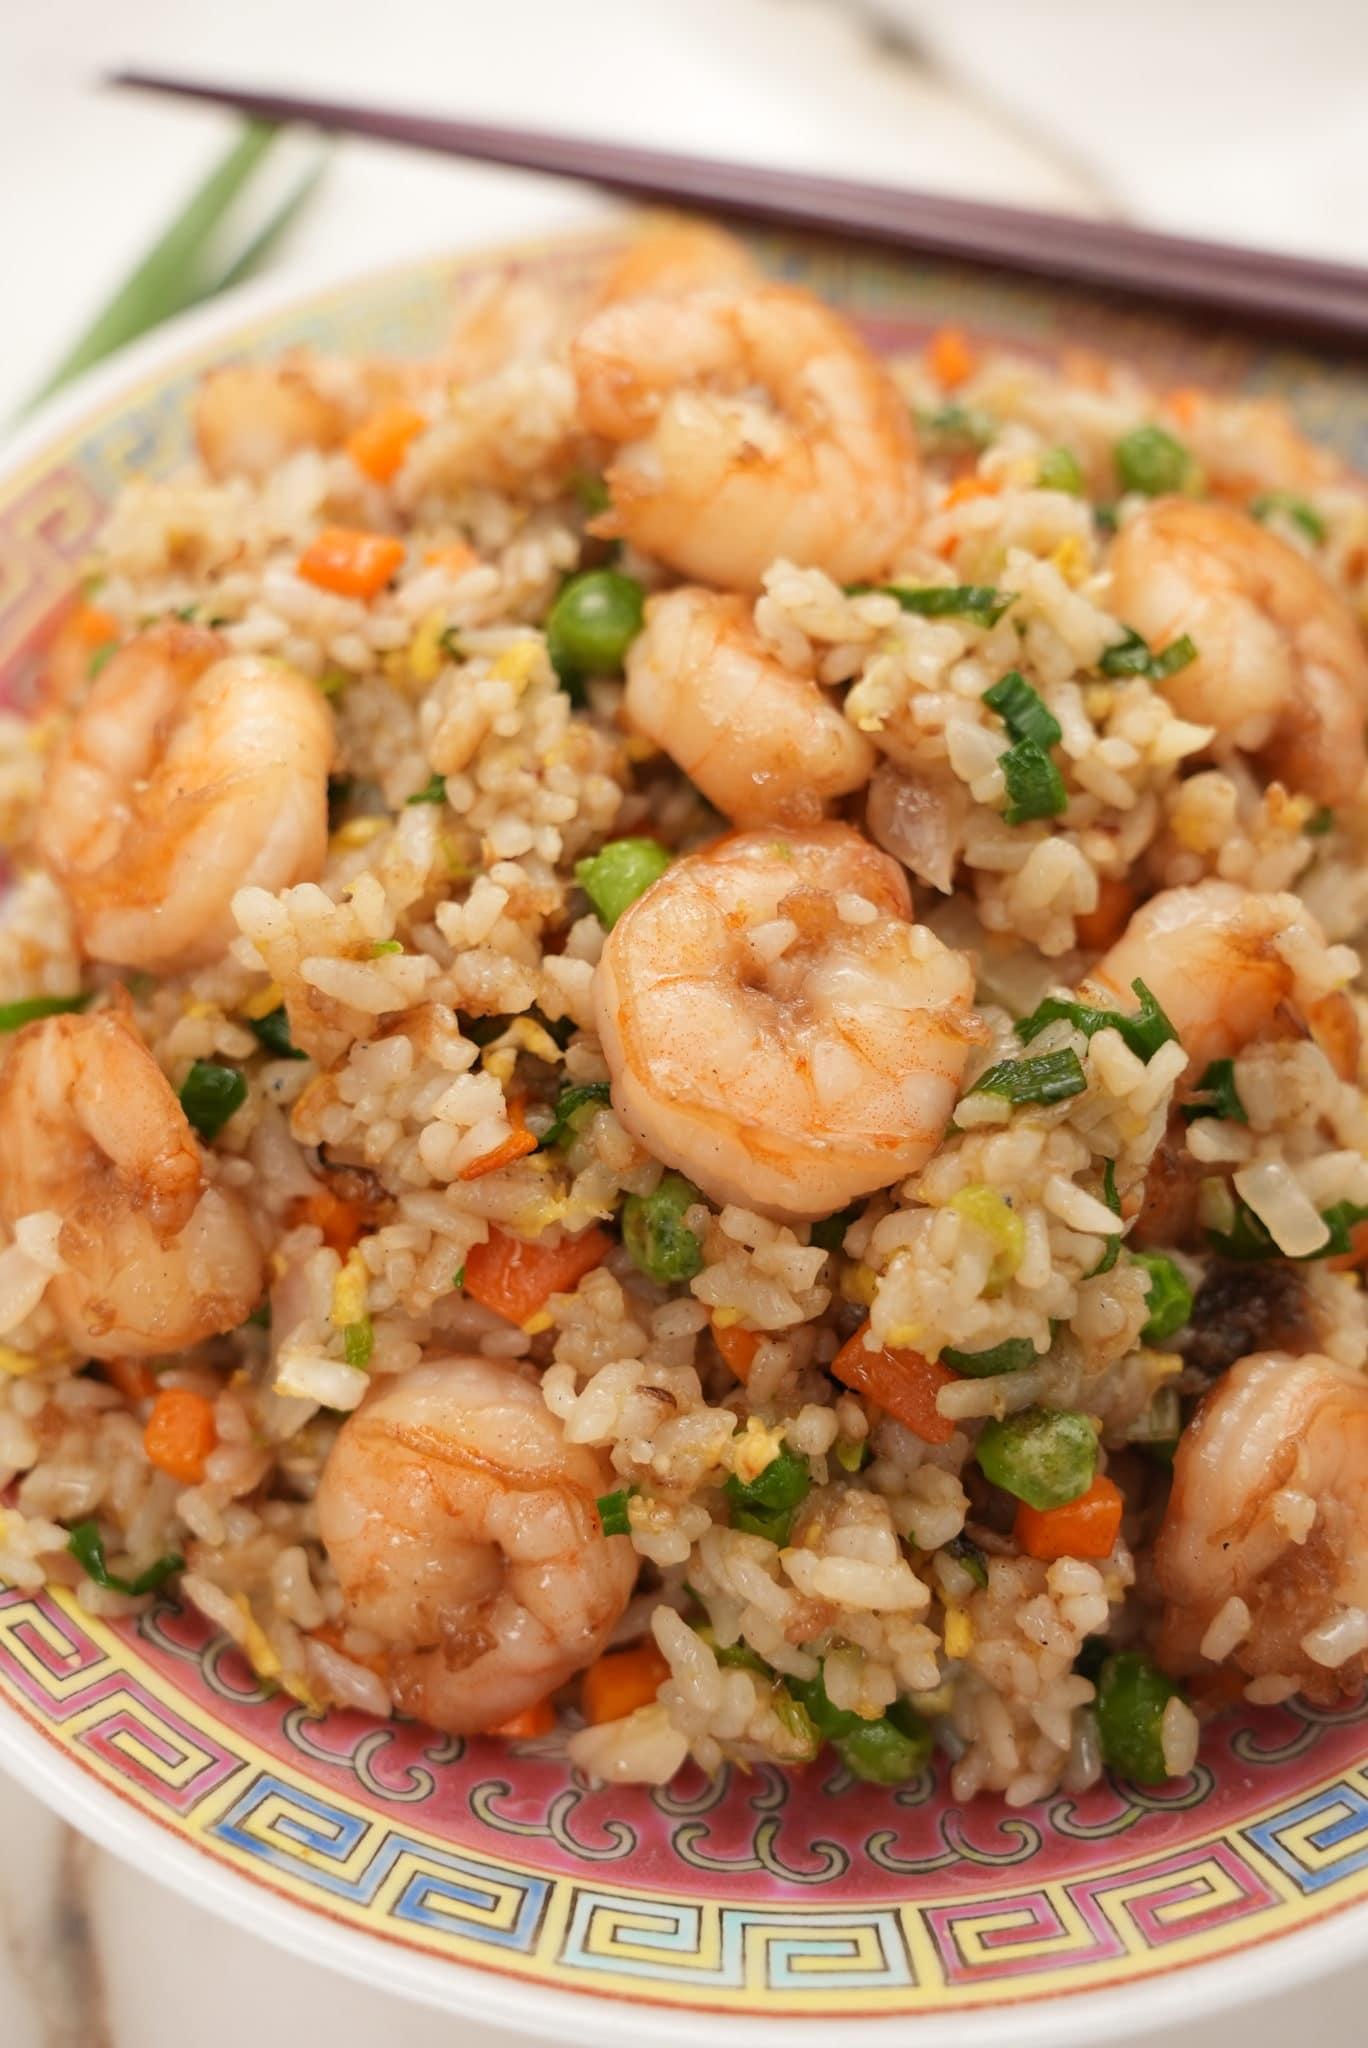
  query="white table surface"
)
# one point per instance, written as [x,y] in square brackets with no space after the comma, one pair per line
[1243,120]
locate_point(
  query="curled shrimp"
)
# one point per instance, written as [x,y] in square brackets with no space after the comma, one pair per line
[716,482]
[1281,670]
[1277,1443]
[157,1259]
[775,1026]
[251,417]
[764,744]
[1217,959]
[675,257]
[185,776]
[463,1530]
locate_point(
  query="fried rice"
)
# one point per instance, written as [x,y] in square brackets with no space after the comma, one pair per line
[406,1017]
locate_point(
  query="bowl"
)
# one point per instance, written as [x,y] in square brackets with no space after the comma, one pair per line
[491,1880]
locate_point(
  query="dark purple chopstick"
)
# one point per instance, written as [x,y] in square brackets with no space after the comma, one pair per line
[1315,297]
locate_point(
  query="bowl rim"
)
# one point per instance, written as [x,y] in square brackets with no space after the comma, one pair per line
[1179,1993]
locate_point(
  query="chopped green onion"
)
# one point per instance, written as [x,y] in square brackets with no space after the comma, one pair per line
[1144,1032]
[793,1718]
[1217,1083]
[1319,823]
[1340,1221]
[978,602]
[358,1342]
[1113,1202]
[273,1031]
[657,1239]
[969,1558]
[1105,518]
[433,791]
[210,1094]
[851,1457]
[383,948]
[830,1722]
[738,1656]
[1131,1697]
[101,656]
[1170,1297]
[1044,1456]
[260,1318]
[333,681]
[571,1105]
[458,1277]
[1023,710]
[1292,508]
[830,1231]
[963,423]
[890,1751]
[1150,460]
[591,491]
[1052,1077]
[593,622]
[14,1016]
[450,644]
[766,1505]
[1060,471]
[618,873]
[612,1512]
[1133,656]
[86,1545]
[1012,1355]
[1246,1238]
[1035,787]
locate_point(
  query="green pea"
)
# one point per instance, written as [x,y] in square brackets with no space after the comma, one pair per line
[1149,460]
[1045,1456]
[657,1238]
[1170,1297]
[1059,471]
[1131,1698]
[593,622]
[889,1751]
[618,873]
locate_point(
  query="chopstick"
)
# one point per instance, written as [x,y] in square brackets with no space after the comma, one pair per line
[1315,297]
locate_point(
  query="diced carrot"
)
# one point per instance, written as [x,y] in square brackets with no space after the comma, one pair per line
[455,556]
[738,1347]
[969,487]
[1357,1254]
[379,445]
[180,1433]
[517,1145]
[621,1682]
[903,1382]
[1086,1527]
[133,1377]
[85,629]
[517,1279]
[1096,929]
[539,1719]
[950,358]
[333,1634]
[349,562]
[1184,402]
[342,1223]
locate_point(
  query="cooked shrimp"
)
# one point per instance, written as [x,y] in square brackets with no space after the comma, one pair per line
[184,777]
[156,1258]
[463,1531]
[1210,956]
[1281,670]
[776,1028]
[1245,445]
[251,417]
[720,484]
[763,743]
[1218,959]
[1275,1438]
[675,257]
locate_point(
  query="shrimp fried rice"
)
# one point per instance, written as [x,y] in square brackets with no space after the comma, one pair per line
[683,1052]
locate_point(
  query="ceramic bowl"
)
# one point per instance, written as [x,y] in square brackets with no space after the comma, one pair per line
[491,1880]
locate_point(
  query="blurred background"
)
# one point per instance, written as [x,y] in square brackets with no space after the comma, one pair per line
[1235,118]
